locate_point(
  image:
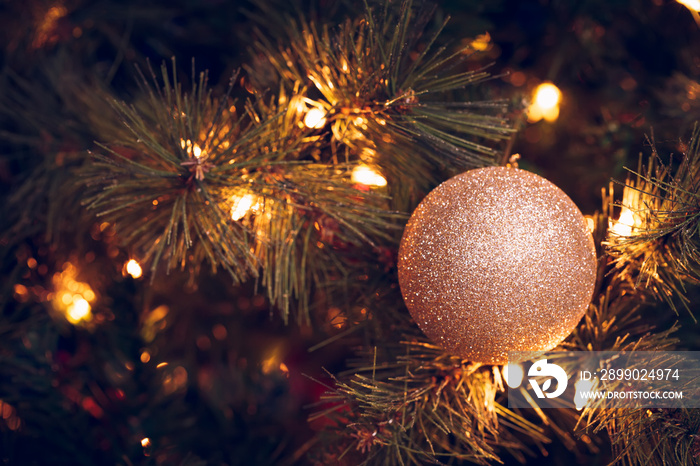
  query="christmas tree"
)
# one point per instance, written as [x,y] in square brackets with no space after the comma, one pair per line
[203,206]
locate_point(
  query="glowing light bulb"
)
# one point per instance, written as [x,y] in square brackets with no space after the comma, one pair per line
[315,118]
[284,369]
[190,148]
[273,361]
[692,5]
[242,205]
[365,175]
[72,298]
[47,26]
[133,268]
[78,310]
[513,373]
[482,42]
[625,224]
[582,386]
[545,103]
[547,95]
[590,223]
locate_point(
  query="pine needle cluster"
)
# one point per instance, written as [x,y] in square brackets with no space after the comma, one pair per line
[657,240]
[384,91]
[268,188]
[199,180]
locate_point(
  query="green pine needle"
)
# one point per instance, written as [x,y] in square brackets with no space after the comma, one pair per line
[660,248]
[388,96]
[198,181]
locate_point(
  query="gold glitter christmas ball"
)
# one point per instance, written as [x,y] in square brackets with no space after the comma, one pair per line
[496,260]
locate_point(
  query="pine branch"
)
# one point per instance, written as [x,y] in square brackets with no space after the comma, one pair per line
[402,400]
[670,436]
[45,118]
[614,322]
[382,91]
[427,407]
[198,182]
[655,241]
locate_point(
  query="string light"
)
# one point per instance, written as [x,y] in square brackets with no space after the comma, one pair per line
[193,149]
[154,322]
[71,297]
[284,369]
[273,361]
[242,205]
[590,223]
[365,175]
[547,95]
[133,268]
[146,444]
[692,5]
[545,103]
[8,414]
[481,43]
[513,374]
[629,219]
[46,30]
[315,118]
[78,310]
[623,226]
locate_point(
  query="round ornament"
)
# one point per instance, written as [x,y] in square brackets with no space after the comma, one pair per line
[496,260]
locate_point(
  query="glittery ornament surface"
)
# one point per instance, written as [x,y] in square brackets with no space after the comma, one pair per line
[496,260]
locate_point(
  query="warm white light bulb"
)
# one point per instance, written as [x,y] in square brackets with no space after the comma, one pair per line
[623,226]
[79,310]
[545,103]
[133,268]
[693,5]
[365,175]
[547,95]
[315,118]
[590,223]
[241,206]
